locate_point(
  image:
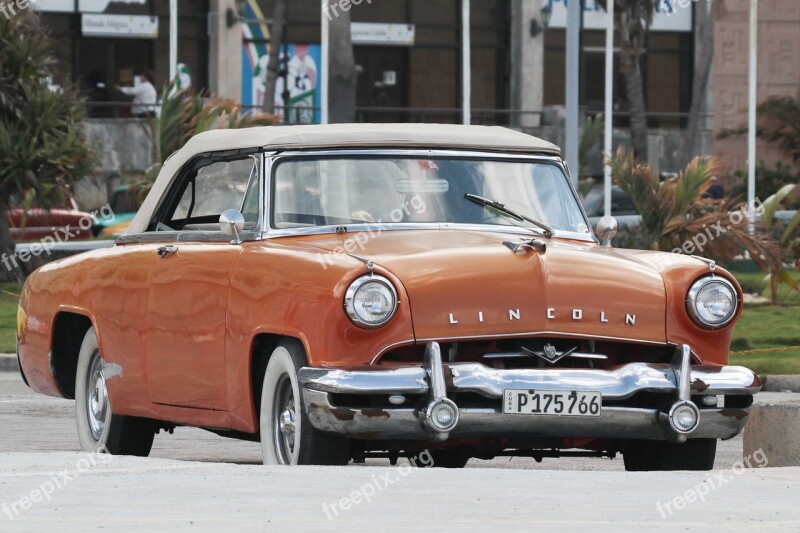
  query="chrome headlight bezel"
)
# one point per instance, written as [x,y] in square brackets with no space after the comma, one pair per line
[355,287]
[691,302]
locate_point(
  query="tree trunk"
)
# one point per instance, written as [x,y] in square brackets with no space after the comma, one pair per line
[10,270]
[275,44]
[702,73]
[638,110]
[774,278]
[342,85]
[633,32]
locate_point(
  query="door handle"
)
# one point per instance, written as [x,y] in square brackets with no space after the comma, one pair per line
[163,251]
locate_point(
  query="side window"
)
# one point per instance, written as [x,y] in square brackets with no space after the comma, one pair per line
[215,188]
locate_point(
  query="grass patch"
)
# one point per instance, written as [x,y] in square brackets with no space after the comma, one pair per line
[762,328]
[8,317]
[756,283]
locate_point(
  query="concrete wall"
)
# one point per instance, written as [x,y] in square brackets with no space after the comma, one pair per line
[124,150]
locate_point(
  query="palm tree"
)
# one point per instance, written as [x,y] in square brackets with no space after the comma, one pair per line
[675,213]
[42,145]
[185,114]
[778,274]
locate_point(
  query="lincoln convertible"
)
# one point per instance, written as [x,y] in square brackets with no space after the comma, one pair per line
[345,292]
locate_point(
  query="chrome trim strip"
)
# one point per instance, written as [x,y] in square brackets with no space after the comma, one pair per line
[417,152]
[531,355]
[536,334]
[541,334]
[429,226]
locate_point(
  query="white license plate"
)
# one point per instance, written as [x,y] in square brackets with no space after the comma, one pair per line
[544,402]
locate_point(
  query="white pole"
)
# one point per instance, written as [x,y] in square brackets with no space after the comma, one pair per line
[466,66]
[609,113]
[572,83]
[173,39]
[753,103]
[324,77]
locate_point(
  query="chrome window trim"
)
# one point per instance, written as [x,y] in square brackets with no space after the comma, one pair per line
[209,236]
[184,237]
[275,158]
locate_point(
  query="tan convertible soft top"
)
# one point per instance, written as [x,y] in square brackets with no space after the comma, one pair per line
[277,138]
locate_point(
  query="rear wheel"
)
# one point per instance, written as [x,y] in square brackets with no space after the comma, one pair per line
[99,429]
[287,436]
[645,455]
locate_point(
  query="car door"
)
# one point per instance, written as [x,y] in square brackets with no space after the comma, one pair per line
[186,320]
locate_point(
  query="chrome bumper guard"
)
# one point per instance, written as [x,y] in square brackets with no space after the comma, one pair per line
[440,418]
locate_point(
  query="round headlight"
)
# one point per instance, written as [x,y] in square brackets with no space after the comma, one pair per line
[370,301]
[712,302]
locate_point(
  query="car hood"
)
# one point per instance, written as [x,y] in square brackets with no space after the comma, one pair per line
[463,284]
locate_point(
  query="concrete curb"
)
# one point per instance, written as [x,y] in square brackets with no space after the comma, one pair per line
[790,383]
[8,363]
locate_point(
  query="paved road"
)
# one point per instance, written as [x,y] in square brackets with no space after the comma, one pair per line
[184,485]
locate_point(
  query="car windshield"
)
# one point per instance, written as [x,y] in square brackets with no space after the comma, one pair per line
[357,190]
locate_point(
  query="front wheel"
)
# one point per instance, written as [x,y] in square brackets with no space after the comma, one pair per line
[648,455]
[287,436]
[99,429]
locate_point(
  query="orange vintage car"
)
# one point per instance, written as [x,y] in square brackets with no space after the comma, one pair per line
[353,291]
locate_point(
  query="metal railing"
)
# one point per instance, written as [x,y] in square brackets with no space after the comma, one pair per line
[480,116]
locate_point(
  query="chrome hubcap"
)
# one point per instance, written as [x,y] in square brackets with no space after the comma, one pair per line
[284,424]
[96,398]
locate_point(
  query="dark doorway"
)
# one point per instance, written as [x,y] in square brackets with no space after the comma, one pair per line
[382,84]
[106,62]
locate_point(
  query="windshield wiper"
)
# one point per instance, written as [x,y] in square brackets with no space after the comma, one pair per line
[494,204]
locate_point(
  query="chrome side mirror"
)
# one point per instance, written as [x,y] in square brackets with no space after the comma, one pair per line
[231,222]
[606,230]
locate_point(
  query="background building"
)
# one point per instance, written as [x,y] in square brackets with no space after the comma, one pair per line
[408,53]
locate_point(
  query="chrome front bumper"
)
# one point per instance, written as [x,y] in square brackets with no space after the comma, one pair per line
[435,381]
